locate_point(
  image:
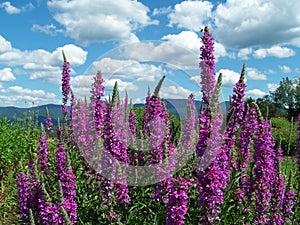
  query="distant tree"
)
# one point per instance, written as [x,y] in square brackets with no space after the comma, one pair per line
[286,96]
[268,108]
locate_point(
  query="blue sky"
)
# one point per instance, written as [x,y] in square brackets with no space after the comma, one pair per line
[137,42]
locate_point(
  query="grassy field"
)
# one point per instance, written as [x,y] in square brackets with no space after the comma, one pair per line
[19,139]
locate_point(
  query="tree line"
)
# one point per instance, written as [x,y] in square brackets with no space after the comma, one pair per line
[284,101]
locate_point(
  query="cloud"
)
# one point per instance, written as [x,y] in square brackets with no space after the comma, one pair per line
[191,41]
[87,21]
[196,79]
[17,95]
[255,74]
[5,45]
[229,77]
[186,39]
[192,15]
[247,23]
[49,29]
[276,51]
[174,92]
[125,69]
[15,57]
[272,87]
[285,69]
[161,11]
[255,93]
[9,8]
[6,75]
[175,56]
[131,75]
[39,63]
[81,85]
[244,53]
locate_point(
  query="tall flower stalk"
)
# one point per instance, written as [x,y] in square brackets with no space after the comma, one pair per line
[264,171]
[66,177]
[207,66]
[65,88]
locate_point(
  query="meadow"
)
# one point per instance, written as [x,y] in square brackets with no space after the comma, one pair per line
[109,163]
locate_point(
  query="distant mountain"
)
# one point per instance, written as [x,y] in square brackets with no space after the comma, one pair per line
[12,113]
[175,106]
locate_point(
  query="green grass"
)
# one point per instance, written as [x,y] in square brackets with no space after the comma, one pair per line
[20,137]
[17,139]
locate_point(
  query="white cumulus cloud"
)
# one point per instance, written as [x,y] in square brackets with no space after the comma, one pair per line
[247,23]
[9,8]
[229,77]
[276,51]
[255,74]
[89,21]
[255,93]
[6,75]
[285,69]
[192,15]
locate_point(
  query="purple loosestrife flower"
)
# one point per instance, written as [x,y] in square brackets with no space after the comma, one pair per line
[42,153]
[204,129]
[67,178]
[212,177]
[207,66]
[132,122]
[248,130]
[178,200]
[24,194]
[117,147]
[188,128]
[97,105]
[154,124]
[288,201]
[263,171]
[277,191]
[49,123]
[156,130]
[235,114]
[211,180]
[65,88]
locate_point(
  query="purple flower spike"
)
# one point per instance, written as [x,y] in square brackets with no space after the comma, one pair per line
[42,152]
[178,200]
[265,175]
[97,105]
[207,66]
[65,88]
[24,194]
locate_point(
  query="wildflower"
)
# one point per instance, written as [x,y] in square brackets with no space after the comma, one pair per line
[97,105]
[207,66]
[24,195]
[188,128]
[67,177]
[178,200]
[288,201]
[65,86]
[264,171]
[42,152]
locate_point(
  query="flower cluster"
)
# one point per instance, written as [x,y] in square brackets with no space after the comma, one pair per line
[65,85]
[97,105]
[207,66]
[264,171]
[42,152]
[24,195]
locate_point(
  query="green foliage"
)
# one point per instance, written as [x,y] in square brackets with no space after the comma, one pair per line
[17,139]
[285,131]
